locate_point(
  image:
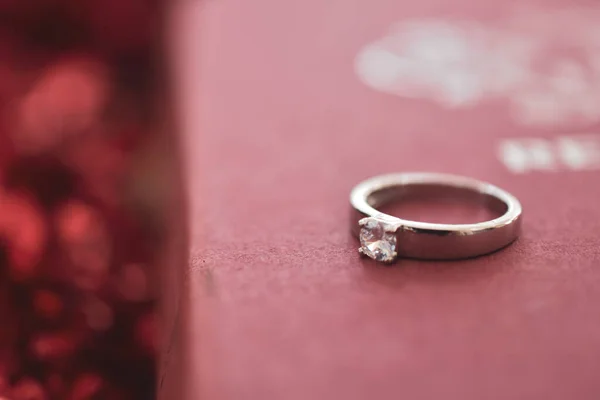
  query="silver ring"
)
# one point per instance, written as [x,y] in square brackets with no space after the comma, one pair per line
[384,237]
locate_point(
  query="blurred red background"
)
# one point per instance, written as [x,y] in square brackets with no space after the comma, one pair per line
[88,173]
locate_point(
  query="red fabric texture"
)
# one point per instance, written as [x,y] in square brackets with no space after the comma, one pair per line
[278,130]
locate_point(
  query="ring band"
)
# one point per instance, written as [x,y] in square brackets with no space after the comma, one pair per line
[384,237]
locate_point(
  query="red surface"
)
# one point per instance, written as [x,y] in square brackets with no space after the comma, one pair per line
[279,129]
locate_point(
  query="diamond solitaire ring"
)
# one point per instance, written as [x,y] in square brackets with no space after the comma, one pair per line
[384,237]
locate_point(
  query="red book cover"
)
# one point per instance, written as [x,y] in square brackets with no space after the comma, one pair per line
[285,106]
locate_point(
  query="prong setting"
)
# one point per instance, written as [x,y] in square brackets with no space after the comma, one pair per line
[378,240]
[390,228]
[363,221]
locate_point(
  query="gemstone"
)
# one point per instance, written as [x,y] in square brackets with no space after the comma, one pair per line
[376,242]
